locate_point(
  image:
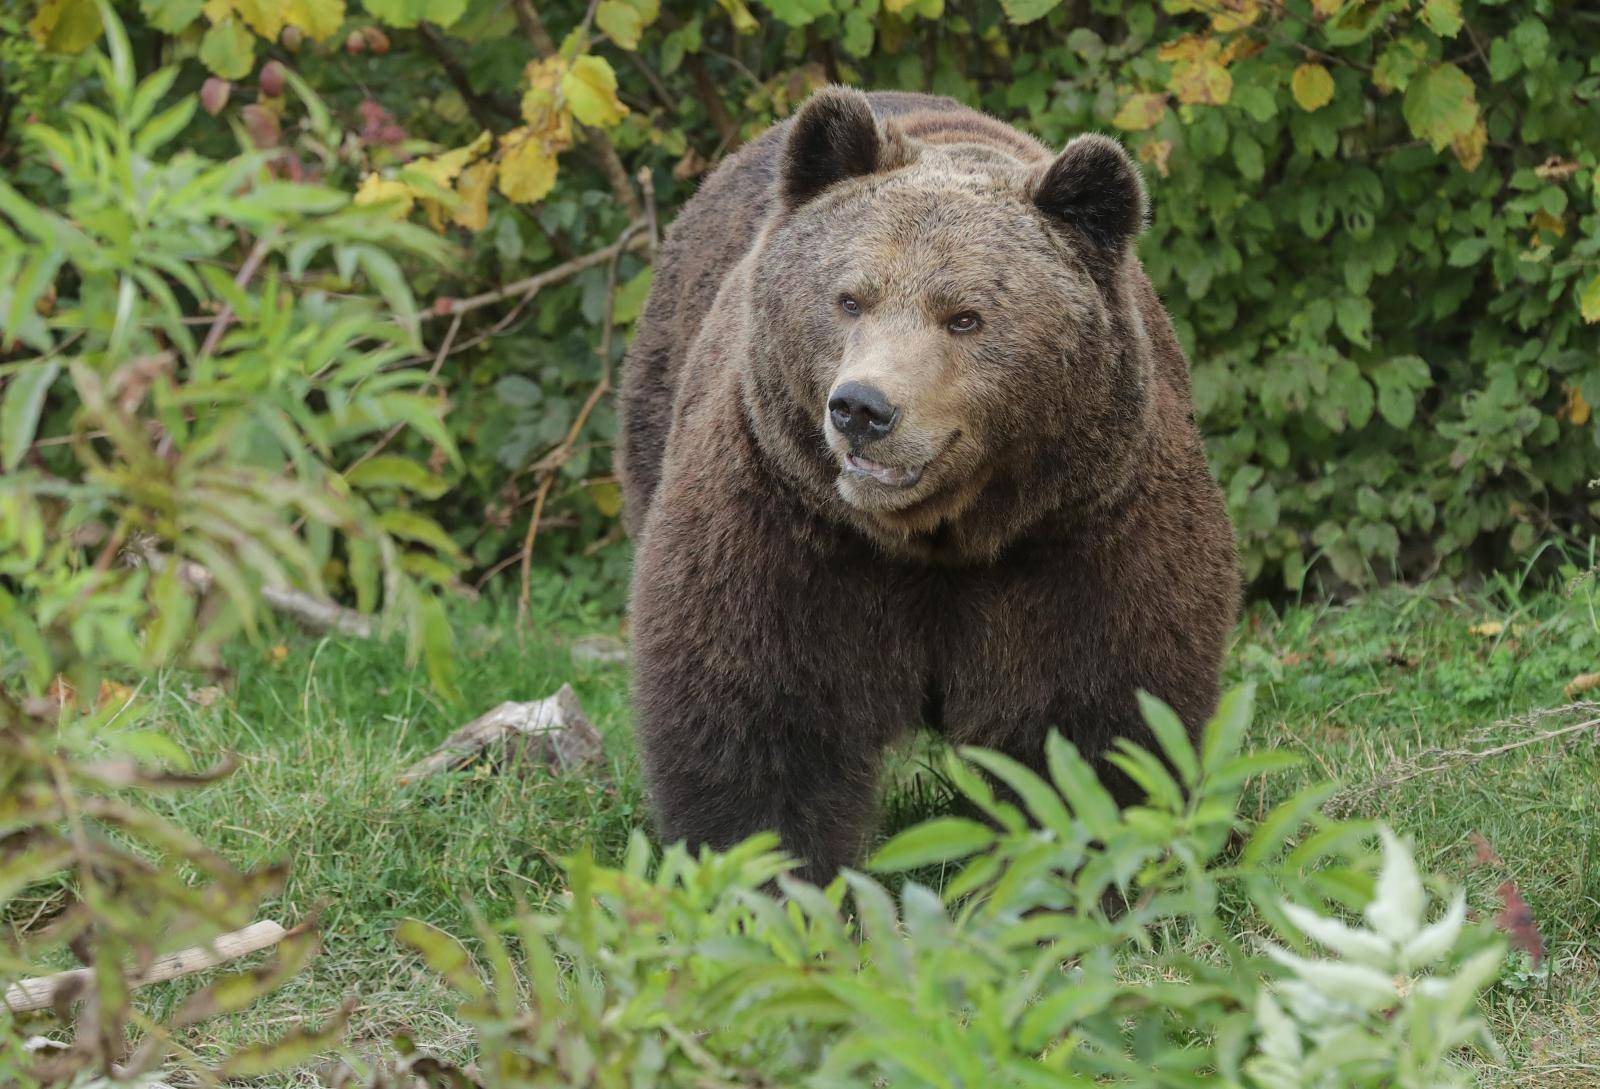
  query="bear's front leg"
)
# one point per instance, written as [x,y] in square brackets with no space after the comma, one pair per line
[768,677]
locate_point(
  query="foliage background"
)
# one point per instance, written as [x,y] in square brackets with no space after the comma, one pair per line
[1376,222]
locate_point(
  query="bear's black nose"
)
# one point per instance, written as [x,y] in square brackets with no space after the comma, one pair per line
[861,412]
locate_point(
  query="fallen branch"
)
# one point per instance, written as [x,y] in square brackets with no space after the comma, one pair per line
[631,239]
[557,731]
[40,992]
[317,613]
[1434,760]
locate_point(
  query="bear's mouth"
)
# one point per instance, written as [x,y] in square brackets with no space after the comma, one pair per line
[890,476]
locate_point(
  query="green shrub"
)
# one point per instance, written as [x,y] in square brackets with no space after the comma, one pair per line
[1375,223]
[689,971]
[167,446]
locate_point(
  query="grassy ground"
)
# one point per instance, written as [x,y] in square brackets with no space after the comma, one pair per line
[1399,697]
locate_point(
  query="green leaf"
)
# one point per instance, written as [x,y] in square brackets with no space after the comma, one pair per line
[1027,11]
[1441,105]
[797,12]
[1081,787]
[942,839]
[408,13]
[393,471]
[20,411]
[620,22]
[170,16]
[444,954]
[1354,317]
[1039,796]
[590,88]
[411,526]
[228,49]
[1172,736]
[1443,17]
[1224,734]
[1504,60]
[437,647]
[1468,251]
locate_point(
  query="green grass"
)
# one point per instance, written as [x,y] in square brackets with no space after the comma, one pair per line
[1394,696]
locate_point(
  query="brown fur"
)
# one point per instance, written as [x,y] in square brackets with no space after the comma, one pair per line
[1065,546]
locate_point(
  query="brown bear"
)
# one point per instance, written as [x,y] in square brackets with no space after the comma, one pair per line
[906,440]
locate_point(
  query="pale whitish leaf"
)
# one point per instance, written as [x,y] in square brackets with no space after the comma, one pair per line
[1280,1038]
[1347,941]
[1360,986]
[939,840]
[1398,899]
[1439,937]
[19,413]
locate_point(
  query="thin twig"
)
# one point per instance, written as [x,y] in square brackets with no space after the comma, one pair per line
[246,273]
[628,240]
[565,450]
[433,372]
[647,186]
[1432,761]
[481,106]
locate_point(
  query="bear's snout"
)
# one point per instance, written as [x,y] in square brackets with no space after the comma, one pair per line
[861,413]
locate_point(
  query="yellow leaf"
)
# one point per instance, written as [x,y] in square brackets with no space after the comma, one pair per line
[1488,629]
[1470,144]
[321,19]
[473,189]
[1545,223]
[607,497]
[278,654]
[1156,153]
[376,189]
[66,26]
[745,23]
[590,88]
[527,167]
[265,17]
[1231,15]
[1589,300]
[1199,77]
[1312,87]
[1140,112]
[1575,410]
[1583,682]
[217,10]
[443,168]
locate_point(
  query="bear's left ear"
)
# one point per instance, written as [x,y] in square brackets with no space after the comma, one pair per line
[834,137]
[1094,186]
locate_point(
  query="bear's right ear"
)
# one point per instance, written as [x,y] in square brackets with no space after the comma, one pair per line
[834,137]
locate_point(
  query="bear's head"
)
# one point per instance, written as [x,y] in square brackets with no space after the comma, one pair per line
[946,340]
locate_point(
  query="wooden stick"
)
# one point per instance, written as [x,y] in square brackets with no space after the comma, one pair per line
[314,612]
[630,240]
[40,992]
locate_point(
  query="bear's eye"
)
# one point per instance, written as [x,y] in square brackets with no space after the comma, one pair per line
[849,305]
[965,322]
